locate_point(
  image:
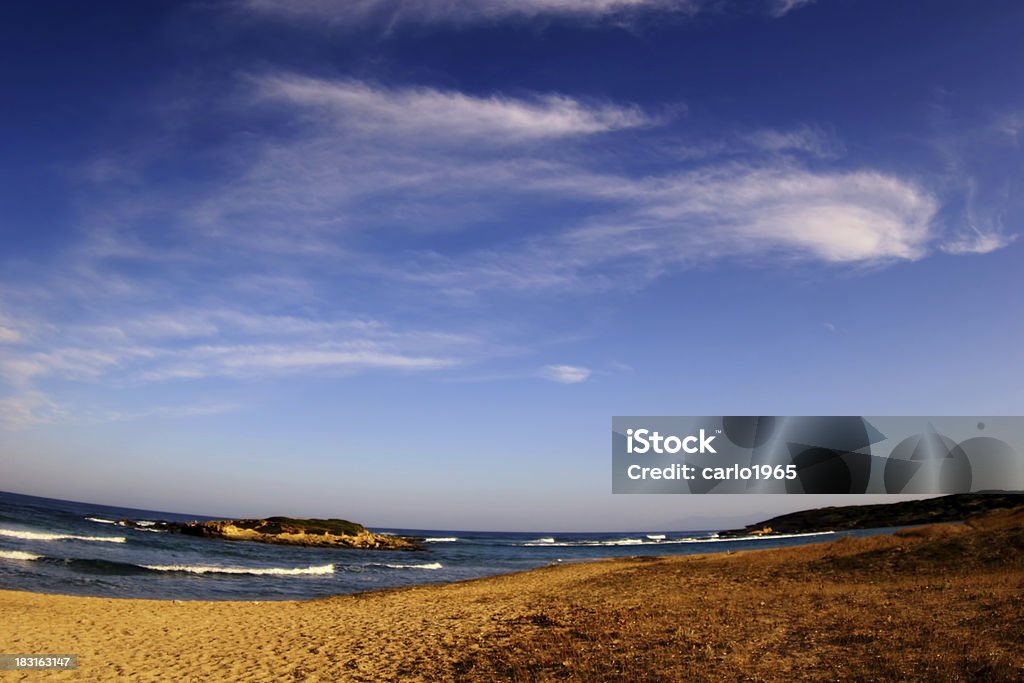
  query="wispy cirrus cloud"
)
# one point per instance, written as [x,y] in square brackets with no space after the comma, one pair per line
[390,12]
[808,140]
[651,226]
[131,351]
[566,374]
[8,333]
[976,241]
[431,113]
[977,179]
[780,8]
[28,408]
[423,168]
[305,254]
[188,345]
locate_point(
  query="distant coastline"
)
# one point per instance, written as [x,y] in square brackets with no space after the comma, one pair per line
[951,508]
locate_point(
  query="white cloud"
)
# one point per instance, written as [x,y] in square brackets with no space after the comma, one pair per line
[355,212]
[338,178]
[33,407]
[199,323]
[428,113]
[566,374]
[835,217]
[203,343]
[390,12]
[9,335]
[247,361]
[776,213]
[14,330]
[977,242]
[1010,125]
[805,139]
[983,230]
[29,408]
[784,7]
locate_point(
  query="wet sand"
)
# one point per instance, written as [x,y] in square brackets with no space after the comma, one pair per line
[933,603]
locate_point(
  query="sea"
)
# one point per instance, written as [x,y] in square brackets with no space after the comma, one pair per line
[70,548]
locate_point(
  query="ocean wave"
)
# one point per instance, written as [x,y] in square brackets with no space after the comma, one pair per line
[546,539]
[713,538]
[17,555]
[87,565]
[760,537]
[544,543]
[43,536]
[256,571]
[141,525]
[656,537]
[432,565]
[100,520]
[446,539]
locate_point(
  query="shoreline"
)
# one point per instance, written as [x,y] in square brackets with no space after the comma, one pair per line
[552,564]
[946,598]
[366,593]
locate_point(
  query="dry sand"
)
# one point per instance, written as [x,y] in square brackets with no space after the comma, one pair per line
[937,603]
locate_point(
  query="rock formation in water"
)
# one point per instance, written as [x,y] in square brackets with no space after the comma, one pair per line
[321,533]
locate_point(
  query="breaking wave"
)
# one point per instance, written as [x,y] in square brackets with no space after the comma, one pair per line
[256,571]
[17,555]
[432,565]
[100,520]
[43,536]
[663,541]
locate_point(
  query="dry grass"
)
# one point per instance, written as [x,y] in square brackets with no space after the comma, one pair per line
[942,603]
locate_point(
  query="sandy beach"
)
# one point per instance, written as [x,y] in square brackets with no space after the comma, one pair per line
[930,603]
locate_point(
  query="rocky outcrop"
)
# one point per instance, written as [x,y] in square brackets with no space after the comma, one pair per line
[321,533]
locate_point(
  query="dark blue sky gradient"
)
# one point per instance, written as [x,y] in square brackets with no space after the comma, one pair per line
[403,265]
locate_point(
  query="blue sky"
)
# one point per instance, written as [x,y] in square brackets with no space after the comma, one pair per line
[401,261]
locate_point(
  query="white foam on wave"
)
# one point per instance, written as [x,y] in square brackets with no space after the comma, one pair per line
[656,537]
[42,536]
[546,539]
[17,555]
[759,537]
[432,565]
[100,520]
[143,522]
[591,544]
[446,539]
[713,538]
[257,571]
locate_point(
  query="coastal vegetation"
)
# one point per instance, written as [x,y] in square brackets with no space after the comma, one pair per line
[952,508]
